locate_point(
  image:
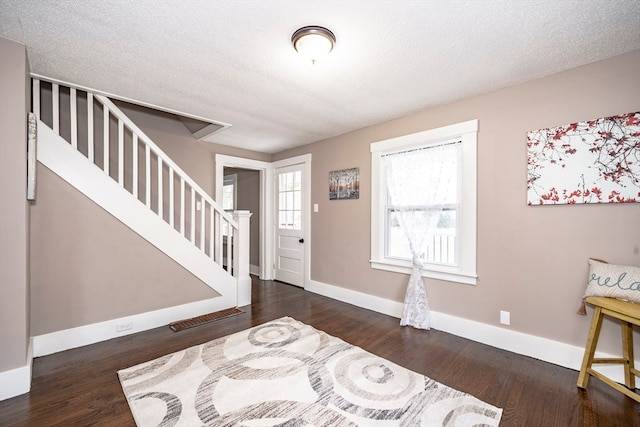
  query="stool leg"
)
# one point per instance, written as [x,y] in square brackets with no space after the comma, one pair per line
[627,354]
[590,349]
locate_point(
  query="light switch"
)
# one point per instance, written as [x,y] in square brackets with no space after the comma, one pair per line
[315,207]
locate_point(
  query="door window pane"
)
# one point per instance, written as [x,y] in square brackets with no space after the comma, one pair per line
[290,200]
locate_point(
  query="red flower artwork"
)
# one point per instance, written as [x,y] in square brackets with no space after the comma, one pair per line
[595,161]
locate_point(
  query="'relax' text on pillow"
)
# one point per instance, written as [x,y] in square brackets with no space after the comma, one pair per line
[613,281]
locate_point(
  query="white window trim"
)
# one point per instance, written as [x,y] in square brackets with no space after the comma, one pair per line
[465,271]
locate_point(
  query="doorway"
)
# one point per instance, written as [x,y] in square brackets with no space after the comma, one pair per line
[261,240]
[269,213]
[289,238]
[291,208]
[241,191]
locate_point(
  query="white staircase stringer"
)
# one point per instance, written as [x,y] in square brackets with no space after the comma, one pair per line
[65,161]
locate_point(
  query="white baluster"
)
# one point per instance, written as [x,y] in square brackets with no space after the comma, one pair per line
[134,161]
[182,207]
[105,133]
[74,117]
[193,216]
[160,203]
[147,173]
[56,107]
[90,146]
[36,97]
[212,230]
[217,250]
[171,198]
[121,153]
[229,249]
[202,218]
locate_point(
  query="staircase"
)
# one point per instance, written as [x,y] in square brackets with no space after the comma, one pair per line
[89,142]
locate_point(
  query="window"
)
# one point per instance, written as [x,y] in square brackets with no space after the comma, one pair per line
[450,252]
[290,200]
[418,171]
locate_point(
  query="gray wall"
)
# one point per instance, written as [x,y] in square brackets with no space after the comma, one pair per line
[87,266]
[14,211]
[532,260]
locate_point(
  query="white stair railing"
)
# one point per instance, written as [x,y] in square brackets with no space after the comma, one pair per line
[101,132]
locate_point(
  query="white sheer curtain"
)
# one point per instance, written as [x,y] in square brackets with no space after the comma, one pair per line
[420,183]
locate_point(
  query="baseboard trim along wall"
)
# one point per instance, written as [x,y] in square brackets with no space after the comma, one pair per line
[558,353]
[555,352]
[15,382]
[89,334]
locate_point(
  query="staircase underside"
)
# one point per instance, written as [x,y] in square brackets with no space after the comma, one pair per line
[61,158]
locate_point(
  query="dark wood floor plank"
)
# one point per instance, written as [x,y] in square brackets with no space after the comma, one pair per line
[80,387]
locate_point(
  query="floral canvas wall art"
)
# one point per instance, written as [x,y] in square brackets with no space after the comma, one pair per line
[595,161]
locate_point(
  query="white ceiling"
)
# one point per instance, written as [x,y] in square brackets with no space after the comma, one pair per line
[232,61]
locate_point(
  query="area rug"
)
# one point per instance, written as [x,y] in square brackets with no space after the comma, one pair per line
[288,374]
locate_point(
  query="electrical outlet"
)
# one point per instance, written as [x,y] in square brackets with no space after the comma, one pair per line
[505,317]
[198,206]
[121,327]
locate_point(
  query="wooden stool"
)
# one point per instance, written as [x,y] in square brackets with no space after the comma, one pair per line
[628,313]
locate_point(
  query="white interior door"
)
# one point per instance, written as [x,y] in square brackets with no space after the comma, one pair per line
[290,221]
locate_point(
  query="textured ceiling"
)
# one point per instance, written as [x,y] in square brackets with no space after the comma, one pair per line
[232,61]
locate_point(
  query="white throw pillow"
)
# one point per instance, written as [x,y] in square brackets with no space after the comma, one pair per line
[613,281]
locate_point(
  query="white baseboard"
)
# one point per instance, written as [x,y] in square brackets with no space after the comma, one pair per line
[102,331]
[377,304]
[558,353]
[17,381]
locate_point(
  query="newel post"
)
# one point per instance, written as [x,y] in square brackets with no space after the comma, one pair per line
[241,257]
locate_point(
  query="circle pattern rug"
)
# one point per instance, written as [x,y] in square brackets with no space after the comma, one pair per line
[288,374]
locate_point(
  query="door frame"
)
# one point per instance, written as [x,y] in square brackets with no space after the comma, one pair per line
[268,205]
[305,163]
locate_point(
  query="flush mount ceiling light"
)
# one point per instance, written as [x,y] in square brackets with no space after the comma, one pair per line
[313,42]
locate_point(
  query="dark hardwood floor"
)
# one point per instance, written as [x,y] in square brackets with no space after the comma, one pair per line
[80,387]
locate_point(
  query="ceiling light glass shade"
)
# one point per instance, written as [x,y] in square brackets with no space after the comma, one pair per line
[313,42]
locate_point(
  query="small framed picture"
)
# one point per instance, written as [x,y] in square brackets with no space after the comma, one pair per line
[344,184]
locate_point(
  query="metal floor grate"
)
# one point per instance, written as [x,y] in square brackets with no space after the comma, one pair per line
[205,318]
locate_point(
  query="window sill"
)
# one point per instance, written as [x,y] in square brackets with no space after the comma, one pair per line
[449,274]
